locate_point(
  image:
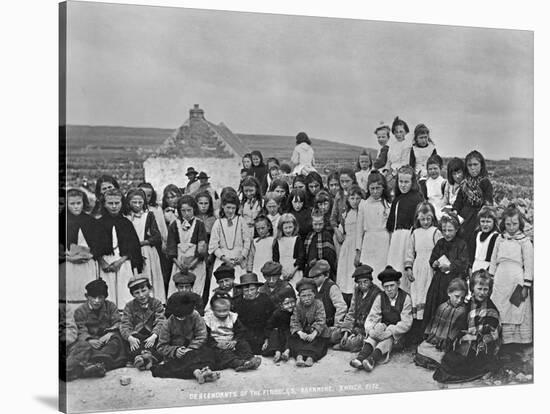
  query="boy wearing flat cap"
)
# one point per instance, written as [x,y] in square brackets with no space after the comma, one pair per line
[351,333]
[274,285]
[141,322]
[225,278]
[330,294]
[308,341]
[99,347]
[389,320]
[184,282]
[278,327]
[254,310]
[182,343]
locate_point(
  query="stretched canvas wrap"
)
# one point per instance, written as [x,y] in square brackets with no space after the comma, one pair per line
[262,207]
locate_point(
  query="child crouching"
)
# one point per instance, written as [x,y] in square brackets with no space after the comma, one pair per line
[227,336]
[278,327]
[182,343]
[308,326]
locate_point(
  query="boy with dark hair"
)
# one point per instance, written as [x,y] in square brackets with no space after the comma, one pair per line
[273,285]
[184,282]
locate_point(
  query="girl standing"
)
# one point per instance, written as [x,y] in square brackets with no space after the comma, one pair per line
[301,212]
[512,267]
[314,184]
[485,239]
[170,197]
[229,241]
[450,260]
[145,225]
[281,189]
[251,204]
[261,249]
[455,175]
[272,206]
[153,206]
[475,192]
[303,156]
[299,183]
[258,169]
[103,183]
[401,219]
[364,167]
[80,246]
[333,183]
[339,207]
[208,217]
[423,148]
[373,239]
[247,163]
[346,258]
[288,249]
[421,243]
[323,204]
[400,148]
[382,133]
[120,248]
[187,244]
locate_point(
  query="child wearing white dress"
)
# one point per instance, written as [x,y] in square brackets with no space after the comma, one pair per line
[433,187]
[303,156]
[252,203]
[373,239]
[145,224]
[288,249]
[261,249]
[485,238]
[423,148]
[346,257]
[272,205]
[152,205]
[456,171]
[400,147]
[421,242]
[364,167]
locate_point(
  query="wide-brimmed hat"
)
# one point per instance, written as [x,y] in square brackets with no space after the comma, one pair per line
[249,279]
[203,176]
[389,274]
[191,171]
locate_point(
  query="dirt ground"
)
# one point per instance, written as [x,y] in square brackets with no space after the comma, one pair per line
[332,376]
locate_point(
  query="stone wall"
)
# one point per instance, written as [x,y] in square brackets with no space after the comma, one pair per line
[223,172]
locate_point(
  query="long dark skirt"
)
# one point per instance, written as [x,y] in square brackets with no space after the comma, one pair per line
[315,349]
[256,340]
[183,367]
[437,294]
[232,358]
[456,368]
[278,341]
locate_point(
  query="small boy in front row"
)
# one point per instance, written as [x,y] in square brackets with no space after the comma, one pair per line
[351,333]
[389,320]
[274,285]
[182,343]
[184,282]
[227,336]
[99,347]
[141,322]
[278,327]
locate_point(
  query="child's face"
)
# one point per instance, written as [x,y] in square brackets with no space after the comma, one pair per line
[280,192]
[148,193]
[299,185]
[422,140]
[262,228]
[307,296]
[113,204]
[391,289]
[75,205]
[187,212]
[345,182]
[376,190]
[184,287]
[456,297]
[171,199]
[486,224]
[288,229]
[511,224]
[95,302]
[434,171]
[449,231]
[314,187]
[317,224]
[474,167]
[244,174]
[319,279]
[354,201]
[288,305]
[323,206]
[481,292]
[275,173]
[249,192]
[247,163]
[250,292]
[136,204]
[230,209]
[272,207]
[141,294]
[405,183]
[106,186]
[400,133]
[271,281]
[364,162]
[458,176]
[333,186]
[221,309]
[364,284]
[297,204]
[382,137]
[425,220]
[255,160]
[203,204]
[226,283]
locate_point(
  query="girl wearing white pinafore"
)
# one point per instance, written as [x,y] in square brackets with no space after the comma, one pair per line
[346,256]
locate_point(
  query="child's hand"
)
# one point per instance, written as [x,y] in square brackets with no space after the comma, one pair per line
[264,346]
[150,342]
[357,259]
[525,292]
[105,338]
[435,264]
[339,236]
[409,275]
[444,268]
[344,339]
[95,343]
[145,243]
[302,335]
[134,343]
[181,351]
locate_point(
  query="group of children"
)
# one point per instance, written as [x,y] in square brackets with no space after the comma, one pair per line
[389,255]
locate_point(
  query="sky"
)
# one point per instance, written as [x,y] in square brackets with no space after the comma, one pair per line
[336,79]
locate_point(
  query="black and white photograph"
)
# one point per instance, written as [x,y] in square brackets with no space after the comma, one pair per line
[258,207]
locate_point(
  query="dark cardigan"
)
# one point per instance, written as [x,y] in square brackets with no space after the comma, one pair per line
[405,212]
[199,234]
[128,241]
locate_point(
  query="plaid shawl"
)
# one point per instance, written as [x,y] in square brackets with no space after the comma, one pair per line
[472,191]
[323,248]
[483,319]
[446,325]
